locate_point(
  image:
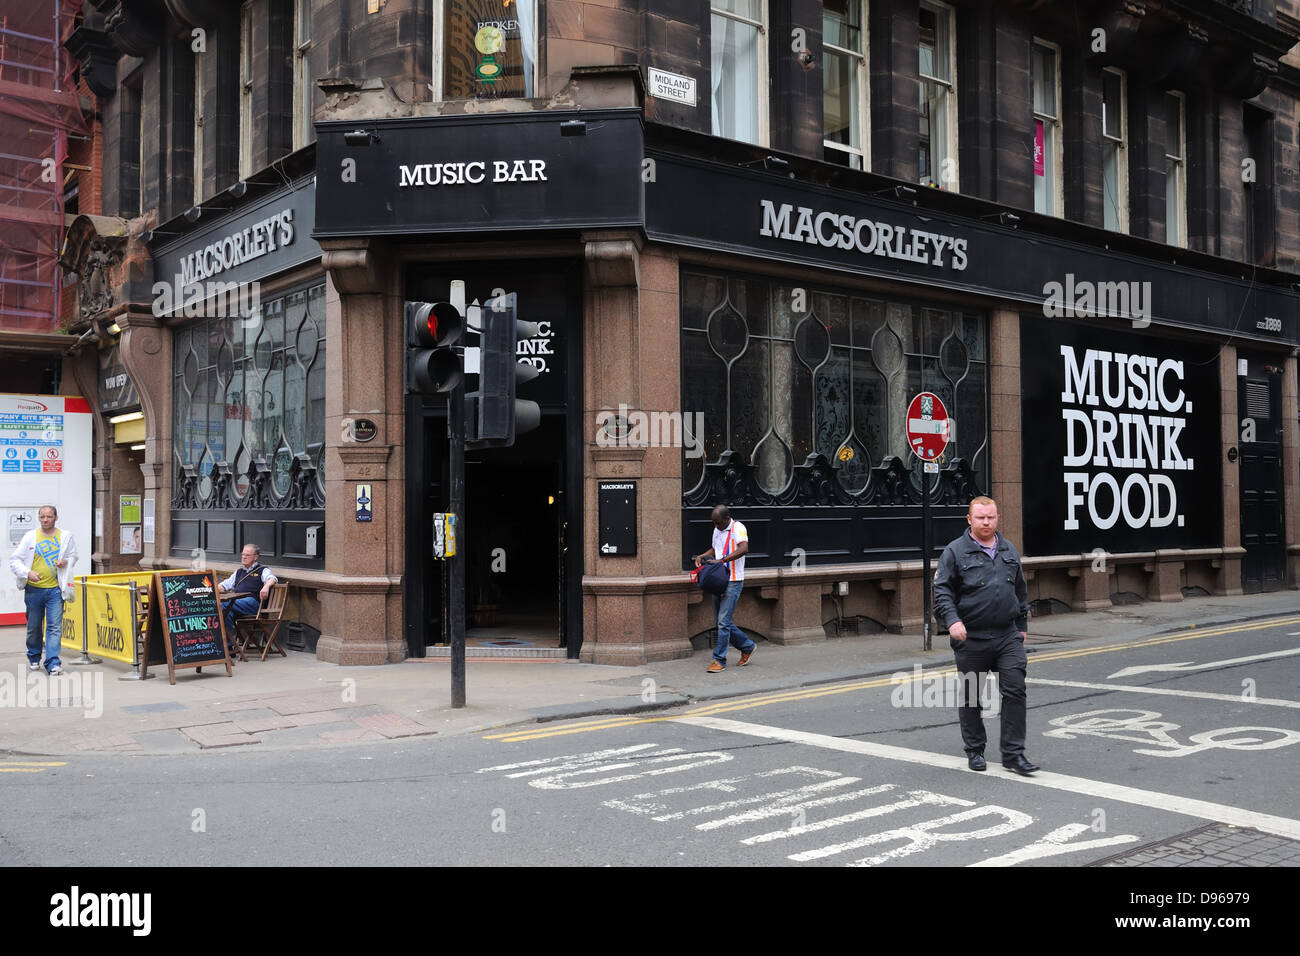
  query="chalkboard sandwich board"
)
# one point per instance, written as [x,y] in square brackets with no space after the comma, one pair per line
[186,627]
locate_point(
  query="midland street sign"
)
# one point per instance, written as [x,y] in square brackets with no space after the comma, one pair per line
[927,426]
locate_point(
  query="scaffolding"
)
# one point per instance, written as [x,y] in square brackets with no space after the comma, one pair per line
[39,111]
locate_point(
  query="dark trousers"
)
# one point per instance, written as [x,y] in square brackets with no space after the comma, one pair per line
[1006,657]
[243,607]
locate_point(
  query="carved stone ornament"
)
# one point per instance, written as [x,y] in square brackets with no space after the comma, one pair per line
[134,26]
[95,294]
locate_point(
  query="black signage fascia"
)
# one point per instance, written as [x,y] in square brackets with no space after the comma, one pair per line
[702,204]
[1060,380]
[250,231]
[496,164]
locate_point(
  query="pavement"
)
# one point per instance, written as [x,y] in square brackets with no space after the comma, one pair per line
[298,702]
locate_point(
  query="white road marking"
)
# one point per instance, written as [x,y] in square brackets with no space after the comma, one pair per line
[1145,727]
[915,798]
[1203,809]
[650,803]
[1169,691]
[1182,666]
[561,771]
[1054,844]
[922,836]
[568,760]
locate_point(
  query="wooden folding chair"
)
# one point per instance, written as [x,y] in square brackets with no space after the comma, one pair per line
[258,632]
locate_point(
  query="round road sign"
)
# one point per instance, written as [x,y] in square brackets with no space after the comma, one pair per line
[927,426]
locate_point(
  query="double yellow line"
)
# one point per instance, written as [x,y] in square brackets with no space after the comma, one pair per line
[826,690]
[29,766]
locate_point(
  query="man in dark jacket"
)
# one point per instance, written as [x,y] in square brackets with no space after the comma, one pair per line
[980,595]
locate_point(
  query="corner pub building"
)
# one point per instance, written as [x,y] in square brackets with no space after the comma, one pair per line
[765,226]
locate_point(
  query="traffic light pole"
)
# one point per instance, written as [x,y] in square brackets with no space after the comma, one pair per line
[456,461]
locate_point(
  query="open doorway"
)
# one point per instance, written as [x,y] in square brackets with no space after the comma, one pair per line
[515,509]
[521,530]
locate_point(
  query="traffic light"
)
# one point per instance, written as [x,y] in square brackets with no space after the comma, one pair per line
[500,415]
[431,363]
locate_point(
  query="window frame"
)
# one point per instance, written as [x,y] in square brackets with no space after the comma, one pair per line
[762,81]
[1121,160]
[199,100]
[437,66]
[1057,199]
[861,75]
[949,14]
[1179,161]
[246,90]
[303,130]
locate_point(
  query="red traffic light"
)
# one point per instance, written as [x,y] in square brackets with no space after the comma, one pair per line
[436,324]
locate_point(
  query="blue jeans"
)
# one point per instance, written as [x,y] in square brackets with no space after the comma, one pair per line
[243,607]
[723,607]
[46,604]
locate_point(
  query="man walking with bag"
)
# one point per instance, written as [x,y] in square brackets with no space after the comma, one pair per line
[730,545]
[980,596]
[42,563]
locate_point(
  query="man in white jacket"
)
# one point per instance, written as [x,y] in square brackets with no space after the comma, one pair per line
[42,563]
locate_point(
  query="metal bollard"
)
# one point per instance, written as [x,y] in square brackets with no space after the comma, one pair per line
[85,636]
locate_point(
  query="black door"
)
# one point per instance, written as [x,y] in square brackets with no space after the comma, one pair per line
[1259,410]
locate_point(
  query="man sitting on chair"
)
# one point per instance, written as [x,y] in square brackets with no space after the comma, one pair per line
[252,581]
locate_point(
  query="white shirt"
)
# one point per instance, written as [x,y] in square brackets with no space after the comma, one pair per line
[721,548]
[267,578]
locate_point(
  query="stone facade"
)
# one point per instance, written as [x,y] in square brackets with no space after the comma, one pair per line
[373,68]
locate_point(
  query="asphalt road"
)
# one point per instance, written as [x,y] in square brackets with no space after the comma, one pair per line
[869,772]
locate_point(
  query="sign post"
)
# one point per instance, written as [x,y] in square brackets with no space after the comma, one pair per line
[927,436]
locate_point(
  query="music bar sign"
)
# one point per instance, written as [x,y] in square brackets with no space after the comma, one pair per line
[670,86]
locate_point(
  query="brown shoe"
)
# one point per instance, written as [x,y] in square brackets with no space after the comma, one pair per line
[715,668]
[744,658]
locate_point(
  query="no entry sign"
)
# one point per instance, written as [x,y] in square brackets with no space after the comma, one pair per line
[927,426]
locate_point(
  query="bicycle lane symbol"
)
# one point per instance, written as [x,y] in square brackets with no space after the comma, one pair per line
[1145,727]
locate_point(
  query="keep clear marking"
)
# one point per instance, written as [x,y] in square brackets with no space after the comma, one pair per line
[1234,816]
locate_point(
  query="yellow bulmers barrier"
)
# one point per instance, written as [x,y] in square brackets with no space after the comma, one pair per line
[110,624]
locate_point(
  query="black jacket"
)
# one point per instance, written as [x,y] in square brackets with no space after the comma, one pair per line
[986,594]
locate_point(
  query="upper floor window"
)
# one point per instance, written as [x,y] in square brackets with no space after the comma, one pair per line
[1114,157]
[303,131]
[1257,178]
[482,50]
[246,91]
[1047,128]
[844,72]
[738,70]
[199,121]
[1175,170]
[938,81]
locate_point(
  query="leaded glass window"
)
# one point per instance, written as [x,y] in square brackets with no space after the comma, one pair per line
[248,407]
[782,371]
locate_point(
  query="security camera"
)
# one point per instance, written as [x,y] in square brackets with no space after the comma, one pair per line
[807,60]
